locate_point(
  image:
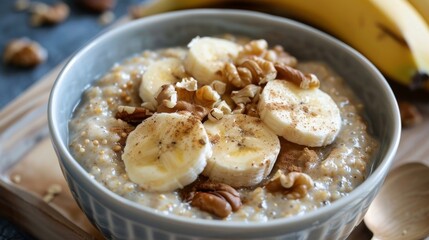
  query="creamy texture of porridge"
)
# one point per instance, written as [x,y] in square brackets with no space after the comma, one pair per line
[319,174]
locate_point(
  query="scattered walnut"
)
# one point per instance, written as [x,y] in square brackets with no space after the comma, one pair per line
[206,96]
[255,48]
[215,114]
[216,198]
[410,114]
[189,84]
[132,115]
[197,110]
[49,15]
[304,81]
[218,86]
[167,96]
[224,107]
[248,94]
[23,52]
[294,185]
[250,70]
[97,5]
[279,56]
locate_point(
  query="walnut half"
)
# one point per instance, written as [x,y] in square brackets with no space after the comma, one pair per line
[24,52]
[304,81]
[294,185]
[217,198]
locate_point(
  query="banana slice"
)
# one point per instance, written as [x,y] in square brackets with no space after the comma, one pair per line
[307,117]
[207,57]
[244,150]
[166,151]
[158,73]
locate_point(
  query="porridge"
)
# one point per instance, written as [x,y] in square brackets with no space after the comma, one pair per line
[226,128]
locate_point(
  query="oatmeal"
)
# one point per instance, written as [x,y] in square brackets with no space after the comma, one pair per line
[223,129]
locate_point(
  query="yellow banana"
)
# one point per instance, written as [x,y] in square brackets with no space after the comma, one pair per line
[422,7]
[391,34]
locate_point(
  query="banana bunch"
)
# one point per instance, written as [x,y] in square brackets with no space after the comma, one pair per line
[168,151]
[393,34]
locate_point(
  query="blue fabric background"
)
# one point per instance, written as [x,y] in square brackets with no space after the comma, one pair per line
[60,41]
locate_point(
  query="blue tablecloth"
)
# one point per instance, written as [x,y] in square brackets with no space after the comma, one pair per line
[60,41]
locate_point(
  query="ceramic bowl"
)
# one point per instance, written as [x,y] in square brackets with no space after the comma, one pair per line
[119,218]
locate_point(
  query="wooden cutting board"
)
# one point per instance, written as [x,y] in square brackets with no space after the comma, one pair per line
[29,168]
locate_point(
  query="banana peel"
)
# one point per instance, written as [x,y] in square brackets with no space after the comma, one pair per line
[393,34]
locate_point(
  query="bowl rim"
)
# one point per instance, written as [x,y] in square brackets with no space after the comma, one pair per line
[137,212]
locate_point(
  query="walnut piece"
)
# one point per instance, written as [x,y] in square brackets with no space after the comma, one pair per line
[189,84]
[250,70]
[197,110]
[294,185]
[132,115]
[215,114]
[259,48]
[410,115]
[278,56]
[24,52]
[49,15]
[98,6]
[217,198]
[304,81]
[206,96]
[248,94]
[167,96]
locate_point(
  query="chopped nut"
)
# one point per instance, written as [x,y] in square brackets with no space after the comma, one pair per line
[410,115]
[240,108]
[255,47]
[294,185]
[190,84]
[215,114]
[238,77]
[97,5]
[304,81]
[247,94]
[167,96]
[132,115]
[218,86]
[216,198]
[106,18]
[197,110]
[251,70]
[279,56]
[49,15]
[224,107]
[206,96]
[24,53]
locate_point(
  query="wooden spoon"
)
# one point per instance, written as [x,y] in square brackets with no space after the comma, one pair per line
[401,208]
